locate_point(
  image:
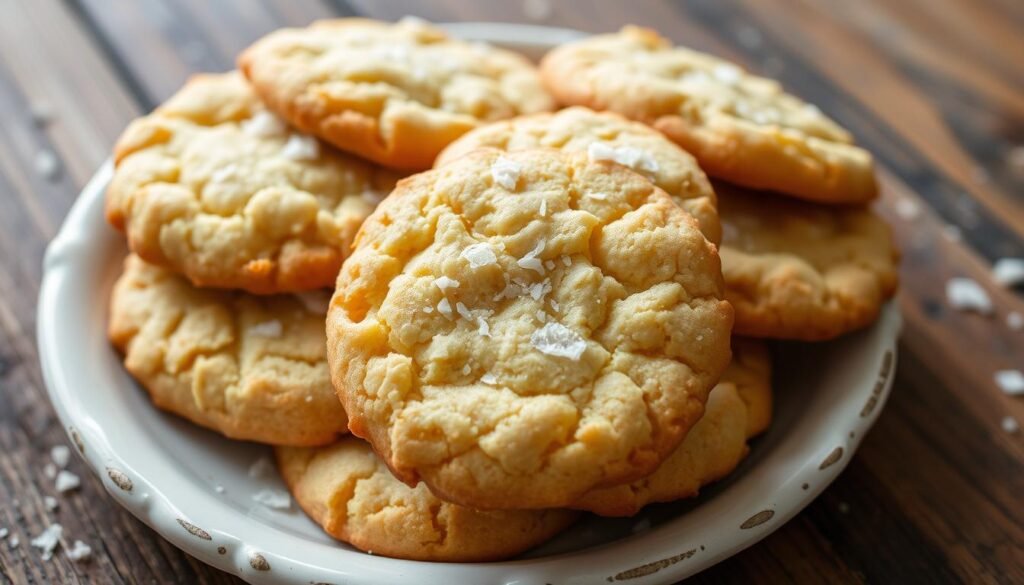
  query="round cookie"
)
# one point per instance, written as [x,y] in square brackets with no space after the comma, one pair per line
[347,489]
[395,93]
[605,136]
[796,270]
[518,328]
[741,127]
[739,407]
[249,367]
[217,188]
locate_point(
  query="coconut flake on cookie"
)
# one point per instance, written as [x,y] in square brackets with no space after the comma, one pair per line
[505,172]
[444,283]
[558,340]
[264,124]
[627,156]
[301,147]
[479,254]
[530,261]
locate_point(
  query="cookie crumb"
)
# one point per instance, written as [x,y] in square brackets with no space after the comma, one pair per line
[965,294]
[50,503]
[276,499]
[1008,272]
[627,156]
[48,540]
[1010,382]
[444,283]
[60,455]
[301,147]
[907,208]
[272,328]
[1010,425]
[505,172]
[80,552]
[261,468]
[66,481]
[264,124]
[530,261]
[1015,321]
[558,340]
[47,164]
[479,254]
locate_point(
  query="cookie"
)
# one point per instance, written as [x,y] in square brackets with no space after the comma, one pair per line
[605,136]
[518,328]
[395,93]
[347,489]
[249,367]
[739,407]
[214,186]
[796,270]
[742,128]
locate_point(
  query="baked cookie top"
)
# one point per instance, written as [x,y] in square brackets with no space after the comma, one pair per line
[214,186]
[741,127]
[395,93]
[605,136]
[348,490]
[797,270]
[249,367]
[517,328]
[739,407]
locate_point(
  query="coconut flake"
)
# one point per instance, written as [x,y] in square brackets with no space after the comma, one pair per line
[543,207]
[272,328]
[628,156]
[276,499]
[1008,271]
[50,471]
[479,254]
[530,261]
[444,283]
[482,328]
[66,481]
[489,379]
[60,455]
[445,308]
[554,304]
[539,289]
[13,542]
[505,172]
[3,533]
[907,208]
[541,316]
[301,147]
[558,340]
[80,552]
[727,74]
[466,369]
[463,311]
[1010,425]
[50,503]
[1015,321]
[598,196]
[965,294]
[261,468]
[428,309]
[264,124]
[48,540]
[1010,381]
[567,261]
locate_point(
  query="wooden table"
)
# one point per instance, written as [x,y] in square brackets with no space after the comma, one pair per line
[937,93]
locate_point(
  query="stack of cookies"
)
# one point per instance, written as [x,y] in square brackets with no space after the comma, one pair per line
[534,312]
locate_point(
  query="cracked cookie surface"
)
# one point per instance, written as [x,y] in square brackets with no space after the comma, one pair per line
[214,186]
[250,367]
[395,93]
[796,270]
[347,489]
[738,408]
[518,328]
[741,127]
[605,135]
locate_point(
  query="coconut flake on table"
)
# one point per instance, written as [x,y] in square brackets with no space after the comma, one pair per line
[272,328]
[271,498]
[60,455]
[48,540]
[558,340]
[907,208]
[262,467]
[80,552]
[965,294]
[628,156]
[530,261]
[1015,321]
[479,254]
[1008,272]
[444,283]
[301,147]
[505,172]
[3,533]
[264,124]
[1010,424]
[1010,381]
[66,481]
[50,503]
[50,471]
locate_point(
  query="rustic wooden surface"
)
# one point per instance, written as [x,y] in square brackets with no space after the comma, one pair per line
[936,90]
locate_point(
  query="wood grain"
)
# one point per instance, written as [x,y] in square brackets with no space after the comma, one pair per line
[937,94]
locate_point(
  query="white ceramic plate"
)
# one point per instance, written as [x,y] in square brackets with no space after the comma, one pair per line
[165,471]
